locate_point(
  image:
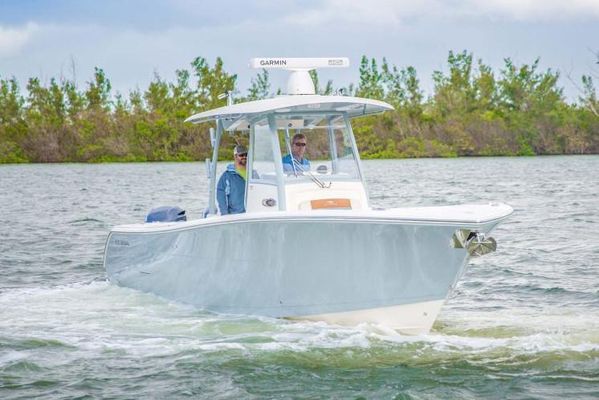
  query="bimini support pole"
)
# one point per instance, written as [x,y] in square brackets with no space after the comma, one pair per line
[212,180]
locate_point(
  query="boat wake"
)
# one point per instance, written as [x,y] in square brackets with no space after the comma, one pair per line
[97,314]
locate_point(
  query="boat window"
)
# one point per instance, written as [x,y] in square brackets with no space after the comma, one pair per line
[262,162]
[328,153]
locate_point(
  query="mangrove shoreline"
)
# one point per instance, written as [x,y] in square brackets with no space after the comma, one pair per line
[519,110]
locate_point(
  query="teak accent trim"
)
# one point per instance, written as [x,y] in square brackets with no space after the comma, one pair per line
[331,203]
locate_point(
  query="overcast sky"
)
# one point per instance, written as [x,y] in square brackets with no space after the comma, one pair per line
[131,40]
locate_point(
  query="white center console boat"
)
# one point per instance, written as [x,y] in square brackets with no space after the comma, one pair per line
[309,245]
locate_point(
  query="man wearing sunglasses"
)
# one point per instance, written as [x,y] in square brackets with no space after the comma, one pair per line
[296,160]
[230,190]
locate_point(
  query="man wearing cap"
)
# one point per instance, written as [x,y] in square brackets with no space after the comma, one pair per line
[230,190]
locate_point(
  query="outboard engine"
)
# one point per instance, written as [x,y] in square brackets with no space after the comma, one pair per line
[166,214]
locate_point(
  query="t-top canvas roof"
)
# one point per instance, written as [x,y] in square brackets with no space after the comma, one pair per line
[239,116]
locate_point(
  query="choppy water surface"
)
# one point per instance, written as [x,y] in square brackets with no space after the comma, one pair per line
[523,323]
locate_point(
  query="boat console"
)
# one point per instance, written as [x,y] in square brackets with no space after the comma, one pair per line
[331,175]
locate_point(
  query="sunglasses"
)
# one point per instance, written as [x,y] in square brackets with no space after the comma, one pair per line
[242,155]
[300,144]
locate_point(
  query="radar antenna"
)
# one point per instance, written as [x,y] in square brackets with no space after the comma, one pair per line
[300,81]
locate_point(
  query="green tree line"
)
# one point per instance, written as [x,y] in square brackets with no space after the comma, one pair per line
[473,110]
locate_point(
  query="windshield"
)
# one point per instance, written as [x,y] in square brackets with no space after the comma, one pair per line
[318,148]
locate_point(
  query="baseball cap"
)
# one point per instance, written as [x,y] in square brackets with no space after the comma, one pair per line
[239,149]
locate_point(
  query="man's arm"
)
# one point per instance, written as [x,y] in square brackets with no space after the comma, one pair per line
[221,196]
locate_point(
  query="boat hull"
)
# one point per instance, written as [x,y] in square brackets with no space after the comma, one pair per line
[409,319]
[334,268]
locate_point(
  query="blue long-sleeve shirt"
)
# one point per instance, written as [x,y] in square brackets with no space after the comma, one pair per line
[230,192]
[288,164]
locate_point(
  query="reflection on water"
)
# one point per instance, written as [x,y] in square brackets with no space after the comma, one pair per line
[523,323]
